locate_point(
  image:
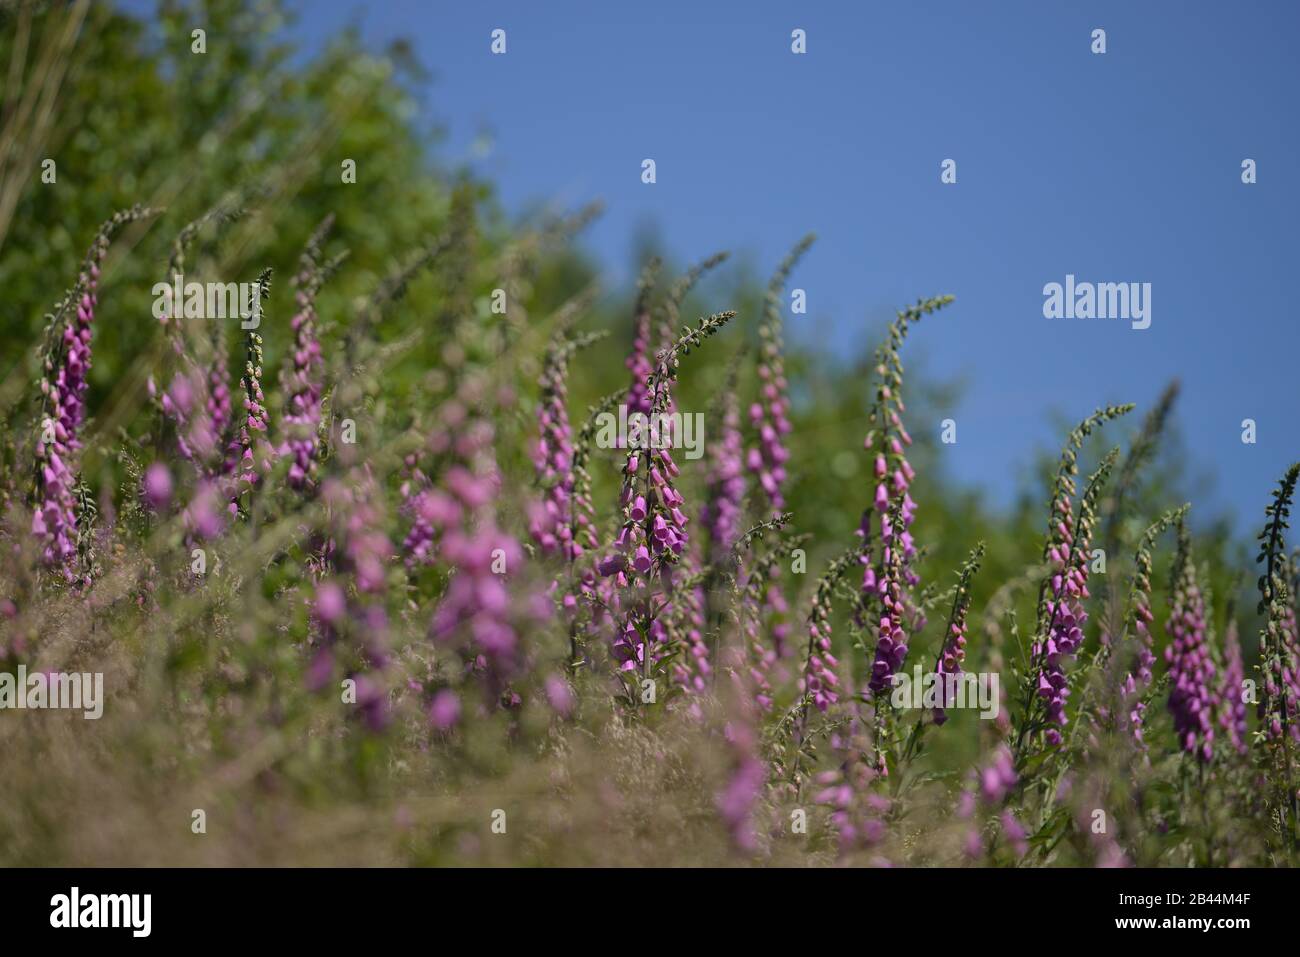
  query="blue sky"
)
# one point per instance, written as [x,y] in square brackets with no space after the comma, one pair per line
[1122,167]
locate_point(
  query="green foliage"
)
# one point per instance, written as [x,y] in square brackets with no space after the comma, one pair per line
[243,149]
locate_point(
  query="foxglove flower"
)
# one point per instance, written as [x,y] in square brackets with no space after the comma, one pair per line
[252,448]
[987,789]
[762,657]
[553,461]
[891,638]
[303,384]
[653,536]
[157,486]
[479,615]
[770,422]
[1065,619]
[1191,672]
[54,521]
[953,652]
[747,776]
[1061,612]
[66,367]
[639,361]
[692,669]
[220,410]
[1232,714]
[444,711]
[205,515]
[561,523]
[1140,619]
[769,417]
[725,485]
[1279,645]
[351,599]
[888,576]
[857,811]
[820,682]
[196,403]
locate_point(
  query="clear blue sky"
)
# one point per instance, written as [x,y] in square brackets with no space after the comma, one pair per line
[1117,167]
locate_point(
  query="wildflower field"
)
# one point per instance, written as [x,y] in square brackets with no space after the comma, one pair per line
[394,538]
